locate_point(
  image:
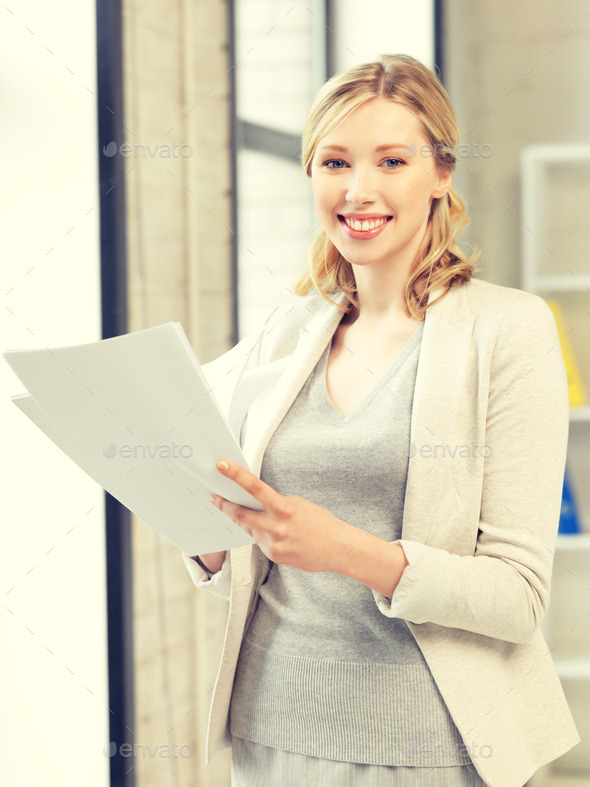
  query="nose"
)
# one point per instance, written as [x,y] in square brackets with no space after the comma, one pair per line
[360,186]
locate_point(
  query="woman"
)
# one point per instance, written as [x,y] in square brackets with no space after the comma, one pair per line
[406,426]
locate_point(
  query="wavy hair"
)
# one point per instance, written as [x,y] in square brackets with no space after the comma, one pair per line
[439,261]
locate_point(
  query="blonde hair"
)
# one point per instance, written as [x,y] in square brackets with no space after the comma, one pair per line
[439,261]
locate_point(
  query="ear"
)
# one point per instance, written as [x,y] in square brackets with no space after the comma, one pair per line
[443,184]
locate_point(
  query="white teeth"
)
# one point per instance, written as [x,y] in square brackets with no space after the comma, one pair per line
[363,226]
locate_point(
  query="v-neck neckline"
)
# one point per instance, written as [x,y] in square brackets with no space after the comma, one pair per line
[327,406]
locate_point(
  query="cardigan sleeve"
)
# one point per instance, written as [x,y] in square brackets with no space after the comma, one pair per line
[219,583]
[503,589]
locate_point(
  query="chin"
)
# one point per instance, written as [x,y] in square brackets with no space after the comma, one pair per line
[362,262]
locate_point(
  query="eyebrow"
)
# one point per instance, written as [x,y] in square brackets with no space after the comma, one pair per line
[377,149]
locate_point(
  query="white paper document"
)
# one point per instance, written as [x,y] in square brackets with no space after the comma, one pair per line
[137,414]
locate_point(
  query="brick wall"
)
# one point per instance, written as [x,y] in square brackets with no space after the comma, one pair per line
[517,77]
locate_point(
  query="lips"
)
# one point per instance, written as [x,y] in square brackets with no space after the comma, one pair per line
[362,222]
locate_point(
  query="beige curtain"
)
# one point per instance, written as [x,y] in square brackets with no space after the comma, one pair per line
[178,186]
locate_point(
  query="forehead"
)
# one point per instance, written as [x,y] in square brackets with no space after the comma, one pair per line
[375,123]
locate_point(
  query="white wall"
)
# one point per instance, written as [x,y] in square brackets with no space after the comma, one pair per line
[381,27]
[53,675]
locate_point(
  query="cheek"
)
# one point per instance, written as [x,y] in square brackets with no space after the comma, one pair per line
[324,199]
[414,198]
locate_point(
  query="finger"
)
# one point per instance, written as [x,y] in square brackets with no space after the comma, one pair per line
[262,492]
[246,518]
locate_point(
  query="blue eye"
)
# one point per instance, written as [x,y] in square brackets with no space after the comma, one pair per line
[340,164]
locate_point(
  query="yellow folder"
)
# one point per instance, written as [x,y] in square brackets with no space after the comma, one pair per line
[577,391]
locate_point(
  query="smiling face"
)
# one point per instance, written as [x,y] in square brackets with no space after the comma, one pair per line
[373,179]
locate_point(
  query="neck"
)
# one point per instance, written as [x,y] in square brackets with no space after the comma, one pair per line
[380,295]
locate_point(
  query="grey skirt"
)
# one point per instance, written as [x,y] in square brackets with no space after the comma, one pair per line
[256,765]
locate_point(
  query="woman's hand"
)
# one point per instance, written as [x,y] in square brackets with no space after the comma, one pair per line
[289,530]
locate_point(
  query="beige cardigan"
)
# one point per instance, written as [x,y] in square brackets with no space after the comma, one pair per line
[480,518]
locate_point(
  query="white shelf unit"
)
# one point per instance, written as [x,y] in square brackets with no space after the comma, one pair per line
[536,163]
[580,413]
[555,183]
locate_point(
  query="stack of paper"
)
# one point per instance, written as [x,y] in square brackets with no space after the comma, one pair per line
[136,413]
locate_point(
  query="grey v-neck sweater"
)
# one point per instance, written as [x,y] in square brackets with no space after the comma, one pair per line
[321,671]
